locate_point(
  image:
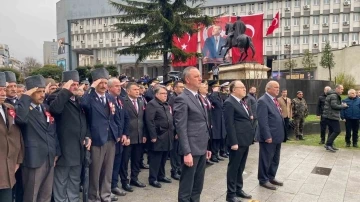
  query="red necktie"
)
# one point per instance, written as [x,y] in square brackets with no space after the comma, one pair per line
[135,105]
[277,105]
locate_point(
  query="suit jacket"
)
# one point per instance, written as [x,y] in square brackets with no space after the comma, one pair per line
[149,94]
[270,121]
[285,107]
[171,104]
[209,49]
[39,133]
[11,148]
[124,119]
[251,102]
[217,118]
[123,93]
[13,102]
[191,124]
[159,123]
[102,123]
[238,124]
[72,127]
[137,128]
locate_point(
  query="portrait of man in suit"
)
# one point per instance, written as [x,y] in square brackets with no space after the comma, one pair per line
[61,46]
[212,46]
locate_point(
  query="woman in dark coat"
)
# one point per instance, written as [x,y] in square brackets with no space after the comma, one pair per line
[159,122]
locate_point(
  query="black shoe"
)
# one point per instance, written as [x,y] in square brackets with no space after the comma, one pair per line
[214,159]
[209,163]
[219,158]
[334,148]
[275,182]
[329,148]
[113,197]
[175,176]
[118,192]
[137,184]
[224,156]
[233,199]
[144,166]
[355,145]
[347,144]
[165,179]
[268,185]
[127,188]
[155,184]
[242,194]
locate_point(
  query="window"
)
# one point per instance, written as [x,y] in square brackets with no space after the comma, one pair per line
[234,9]
[106,35]
[269,5]
[211,11]
[297,3]
[326,1]
[287,40]
[355,37]
[88,22]
[316,20]
[306,20]
[335,38]
[203,11]
[325,38]
[252,7]
[305,39]
[77,38]
[287,22]
[94,37]
[260,6]
[94,21]
[53,53]
[101,35]
[325,19]
[288,3]
[346,17]
[335,19]
[316,2]
[113,35]
[112,20]
[83,37]
[277,41]
[227,9]
[315,39]
[337,1]
[356,17]
[296,21]
[307,2]
[111,53]
[269,42]
[296,40]
[89,37]
[218,10]
[104,53]
[345,37]
[106,20]
[100,21]
[242,8]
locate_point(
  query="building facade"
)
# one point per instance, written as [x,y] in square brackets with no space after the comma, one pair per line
[304,25]
[50,52]
[4,55]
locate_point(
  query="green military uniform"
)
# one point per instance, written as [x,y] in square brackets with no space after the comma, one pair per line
[300,112]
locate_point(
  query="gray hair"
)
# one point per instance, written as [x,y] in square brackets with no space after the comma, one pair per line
[158,87]
[327,88]
[186,72]
[112,81]
[351,91]
[269,85]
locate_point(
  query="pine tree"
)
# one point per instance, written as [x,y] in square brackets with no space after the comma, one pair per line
[327,58]
[308,61]
[155,22]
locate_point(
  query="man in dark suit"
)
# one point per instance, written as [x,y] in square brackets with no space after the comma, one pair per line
[137,134]
[40,139]
[72,129]
[240,135]
[175,158]
[270,134]
[11,145]
[212,46]
[115,89]
[192,126]
[124,81]
[105,124]
[11,88]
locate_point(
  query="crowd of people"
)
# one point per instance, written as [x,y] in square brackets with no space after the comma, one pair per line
[48,130]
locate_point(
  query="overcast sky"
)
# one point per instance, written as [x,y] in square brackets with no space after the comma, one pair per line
[26,24]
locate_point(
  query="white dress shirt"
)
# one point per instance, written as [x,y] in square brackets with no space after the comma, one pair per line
[239,101]
[2,112]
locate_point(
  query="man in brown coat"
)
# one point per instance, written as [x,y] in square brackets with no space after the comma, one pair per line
[11,145]
[286,109]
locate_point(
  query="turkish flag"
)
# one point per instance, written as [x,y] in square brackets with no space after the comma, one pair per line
[254,25]
[187,44]
[274,24]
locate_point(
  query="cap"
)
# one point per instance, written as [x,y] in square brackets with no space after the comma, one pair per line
[70,75]
[169,82]
[2,79]
[123,79]
[214,83]
[153,80]
[99,73]
[224,84]
[35,81]
[10,77]
[86,82]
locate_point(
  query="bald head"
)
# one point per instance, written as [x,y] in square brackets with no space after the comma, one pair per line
[352,93]
[114,86]
[326,89]
[272,87]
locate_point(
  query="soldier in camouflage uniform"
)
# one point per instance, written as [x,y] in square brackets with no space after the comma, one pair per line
[300,112]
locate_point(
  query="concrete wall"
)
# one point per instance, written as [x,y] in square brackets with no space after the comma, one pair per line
[347,60]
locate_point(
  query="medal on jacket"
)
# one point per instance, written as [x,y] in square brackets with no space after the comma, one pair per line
[170,109]
[12,114]
[47,116]
[120,103]
[112,107]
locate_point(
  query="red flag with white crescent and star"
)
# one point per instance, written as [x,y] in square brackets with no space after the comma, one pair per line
[254,29]
[274,24]
[187,44]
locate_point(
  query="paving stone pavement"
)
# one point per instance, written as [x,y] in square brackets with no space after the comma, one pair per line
[295,170]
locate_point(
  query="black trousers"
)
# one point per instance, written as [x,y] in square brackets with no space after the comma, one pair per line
[133,151]
[334,126]
[116,170]
[269,159]
[6,195]
[157,165]
[223,147]
[215,77]
[323,126]
[18,189]
[352,125]
[144,150]
[236,166]
[192,180]
[215,147]
[287,126]
[175,158]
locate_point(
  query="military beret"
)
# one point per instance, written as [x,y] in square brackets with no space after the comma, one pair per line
[99,73]
[2,79]
[35,81]
[10,77]
[70,75]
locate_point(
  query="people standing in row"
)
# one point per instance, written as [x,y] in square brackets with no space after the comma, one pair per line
[11,145]
[240,135]
[300,112]
[319,114]
[40,139]
[351,116]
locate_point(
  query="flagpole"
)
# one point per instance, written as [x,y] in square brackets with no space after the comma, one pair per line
[279,46]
